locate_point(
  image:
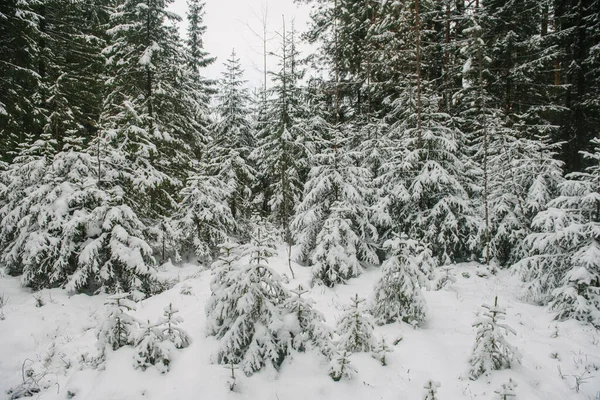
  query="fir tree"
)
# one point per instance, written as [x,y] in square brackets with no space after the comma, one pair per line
[431,388]
[563,265]
[491,350]
[246,313]
[398,293]
[19,77]
[230,150]
[159,341]
[341,367]
[308,326]
[333,223]
[68,228]
[198,57]
[284,141]
[204,217]
[507,390]
[118,328]
[151,104]
[355,329]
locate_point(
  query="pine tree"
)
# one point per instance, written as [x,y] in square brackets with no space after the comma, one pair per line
[341,367]
[563,266]
[283,142]
[355,329]
[204,217]
[507,390]
[431,388]
[159,341]
[246,312]
[151,104]
[309,327]
[118,328]
[198,57]
[398,293]
[333,223]
[491,350]
[230,150]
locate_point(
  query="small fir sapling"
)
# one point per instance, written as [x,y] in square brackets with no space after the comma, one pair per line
[306,325]
[380,351]
[446,277]
[223,265]
[170,329]
[232,379]
[398,293]
[39,299]
[186,289]
[341,367]
[118,328]
[245,312]
[158,341]
[431,388]
[3,302]
[355,328]
[148,351]
[507,390]
[491,350]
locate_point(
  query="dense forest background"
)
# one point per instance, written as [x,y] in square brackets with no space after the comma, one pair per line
[468,126]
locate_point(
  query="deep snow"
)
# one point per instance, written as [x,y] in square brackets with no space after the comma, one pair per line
[51,339]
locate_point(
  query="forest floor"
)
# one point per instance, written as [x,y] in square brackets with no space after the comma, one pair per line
[560,360]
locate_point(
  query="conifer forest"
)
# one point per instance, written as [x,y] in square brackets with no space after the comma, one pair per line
[406,206]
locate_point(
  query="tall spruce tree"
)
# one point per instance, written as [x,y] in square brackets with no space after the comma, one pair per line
[563,267]
[284,141]
[229,152]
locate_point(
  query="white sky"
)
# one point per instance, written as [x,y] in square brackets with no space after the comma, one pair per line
[230,24]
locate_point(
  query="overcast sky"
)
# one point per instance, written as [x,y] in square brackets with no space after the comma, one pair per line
[230,24]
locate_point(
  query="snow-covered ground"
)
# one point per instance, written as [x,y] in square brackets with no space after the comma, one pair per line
[50,340]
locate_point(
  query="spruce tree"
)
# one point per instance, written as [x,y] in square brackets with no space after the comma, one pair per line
[562,267]
[204,218]
[491,350]
[151,105]
[332,224]
[309,324]
[398,293]
[355,328]
[246,312]
[283,143]
[228,154]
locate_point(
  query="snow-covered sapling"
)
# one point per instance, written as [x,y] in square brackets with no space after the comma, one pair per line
[170,329]
[507,390]
[3,302]
[232,380]
[431,388]
[186,289]
[148,350]
[341,367]
[158,341]
[380,351]
[398,293]
[445,277]
[39,299]
[355,328]
[491,350]
[118,328]
[245,313]
[306,324]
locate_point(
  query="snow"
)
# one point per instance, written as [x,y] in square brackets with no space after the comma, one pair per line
[52,339]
